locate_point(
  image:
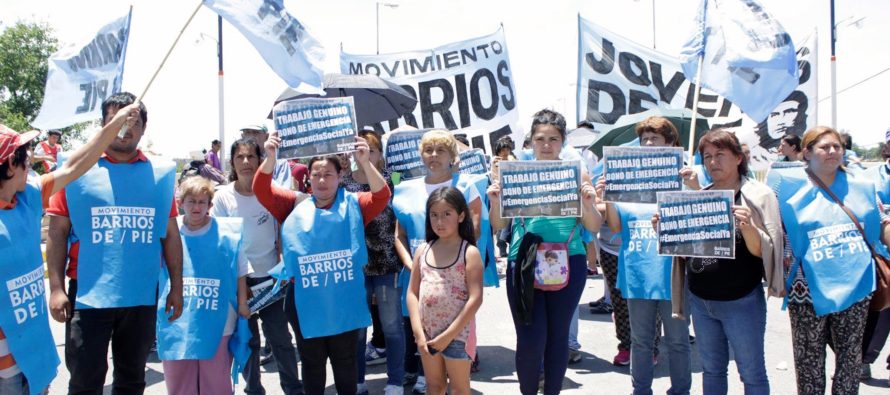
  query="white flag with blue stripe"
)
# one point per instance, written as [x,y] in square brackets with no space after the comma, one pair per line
[282,41]
[748,57]
[82,75]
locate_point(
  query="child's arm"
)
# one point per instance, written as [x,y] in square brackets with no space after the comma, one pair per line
[474,288]
[476,215]
[403,247]
[413,300]
[243,310]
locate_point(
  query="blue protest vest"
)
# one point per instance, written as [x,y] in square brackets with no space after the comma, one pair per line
[880,175]
[239,346]
[324,250]
[642,273]
[210,287]
[23,307]
[836,262]
[119,212]
[484,243]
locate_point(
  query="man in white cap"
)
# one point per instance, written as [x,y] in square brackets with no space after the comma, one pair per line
[281,175]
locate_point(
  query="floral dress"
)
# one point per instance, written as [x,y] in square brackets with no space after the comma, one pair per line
[443,294]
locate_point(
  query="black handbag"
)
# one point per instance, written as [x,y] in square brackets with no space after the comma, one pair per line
[524,277]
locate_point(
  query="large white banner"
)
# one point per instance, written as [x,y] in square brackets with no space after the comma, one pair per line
[462,85]
[82,75]
[617,76]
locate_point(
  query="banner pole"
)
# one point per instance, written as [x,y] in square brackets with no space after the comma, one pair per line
[701,61]
[123,130]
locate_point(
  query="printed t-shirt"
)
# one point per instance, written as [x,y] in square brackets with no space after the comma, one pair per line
[260,235]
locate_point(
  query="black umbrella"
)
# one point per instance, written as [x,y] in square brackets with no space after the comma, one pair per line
[376,100]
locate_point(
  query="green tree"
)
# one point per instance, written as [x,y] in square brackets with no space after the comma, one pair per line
[25,48]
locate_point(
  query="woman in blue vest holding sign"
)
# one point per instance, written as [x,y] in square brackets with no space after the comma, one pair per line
[644,278]
[194,349]
[545,339]
[29,358]
[323,243]
[725,296]
[832,272]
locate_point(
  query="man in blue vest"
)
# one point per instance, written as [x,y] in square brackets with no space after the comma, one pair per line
[123,215]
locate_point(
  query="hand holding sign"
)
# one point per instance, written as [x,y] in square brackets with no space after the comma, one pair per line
[271,145]
[600,187]
[742,216]
[494,191]
[362,152]
[588,194]
[495,168]
[690,178]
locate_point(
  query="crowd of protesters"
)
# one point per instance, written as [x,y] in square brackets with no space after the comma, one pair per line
[148,261]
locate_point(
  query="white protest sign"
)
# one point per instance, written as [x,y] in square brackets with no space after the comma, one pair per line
[458,85]
[402,153]
[473,162]
[635,174]
[540,188]
[314,126]
[696,224]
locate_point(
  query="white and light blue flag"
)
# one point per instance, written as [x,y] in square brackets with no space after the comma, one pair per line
[82,75]
[282,41]
[748,57]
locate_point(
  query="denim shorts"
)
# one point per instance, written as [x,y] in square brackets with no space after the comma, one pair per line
[16,385]
[456,350]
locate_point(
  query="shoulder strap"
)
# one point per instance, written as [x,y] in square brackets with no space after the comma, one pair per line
[569,241]
[577,224]
[843,207]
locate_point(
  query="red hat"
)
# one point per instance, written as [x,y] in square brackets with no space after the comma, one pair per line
[10,140]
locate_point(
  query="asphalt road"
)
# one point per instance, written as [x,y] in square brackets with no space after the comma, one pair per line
[595,374]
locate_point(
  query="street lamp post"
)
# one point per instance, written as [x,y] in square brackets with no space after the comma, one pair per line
[222,127]
[390,5]
[834,26]
[833,70]
[219,54]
